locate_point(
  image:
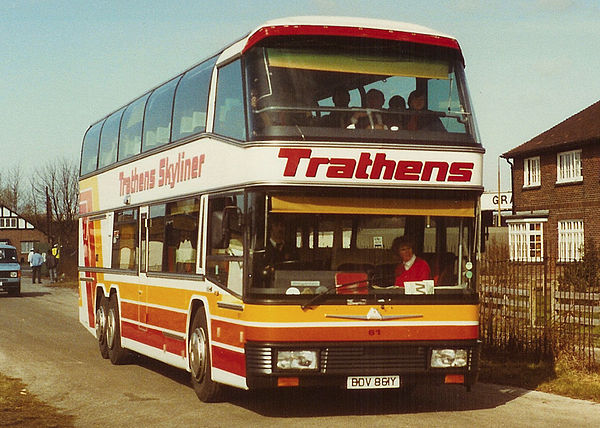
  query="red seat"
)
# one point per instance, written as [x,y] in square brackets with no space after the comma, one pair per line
[351,283]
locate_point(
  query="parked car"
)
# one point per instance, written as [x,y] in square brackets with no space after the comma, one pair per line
[10,270]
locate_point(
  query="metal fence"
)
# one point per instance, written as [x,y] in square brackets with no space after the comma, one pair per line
[539,308]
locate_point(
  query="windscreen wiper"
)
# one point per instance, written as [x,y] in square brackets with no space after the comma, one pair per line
[312,301]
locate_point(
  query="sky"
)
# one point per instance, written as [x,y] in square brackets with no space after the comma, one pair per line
[67,63]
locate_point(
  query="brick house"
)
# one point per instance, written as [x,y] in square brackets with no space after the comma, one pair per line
[556,190]
[18,232]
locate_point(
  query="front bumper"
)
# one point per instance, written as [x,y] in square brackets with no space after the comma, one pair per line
[10,285]
[337,361]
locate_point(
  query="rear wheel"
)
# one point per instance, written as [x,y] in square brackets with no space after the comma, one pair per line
[116,353]
[200,364]
[101,315]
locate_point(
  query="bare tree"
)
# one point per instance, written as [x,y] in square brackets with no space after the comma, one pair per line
[10,188]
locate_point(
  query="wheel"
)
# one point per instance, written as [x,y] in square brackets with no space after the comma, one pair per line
[101,313]
[206,389]
[116,353]
[16,292]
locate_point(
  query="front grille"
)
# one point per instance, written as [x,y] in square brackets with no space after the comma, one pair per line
[347,359]
[373,359]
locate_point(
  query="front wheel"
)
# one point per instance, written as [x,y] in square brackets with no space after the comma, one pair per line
[206,389]
[116,353]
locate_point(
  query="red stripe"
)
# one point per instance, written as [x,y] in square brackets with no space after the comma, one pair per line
[153,338]
[371,33]
[229,361]
[156,317]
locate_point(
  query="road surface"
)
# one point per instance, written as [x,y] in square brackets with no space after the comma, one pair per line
[42,342]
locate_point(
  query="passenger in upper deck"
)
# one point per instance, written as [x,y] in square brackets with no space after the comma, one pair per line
[396,119]
[339,119]
[373,119]
[421,121]
[411,267]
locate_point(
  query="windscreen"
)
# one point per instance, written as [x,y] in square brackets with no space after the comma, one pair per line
[366,247]
[335,89]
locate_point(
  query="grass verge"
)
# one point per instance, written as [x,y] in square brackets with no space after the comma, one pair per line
[20,408]
[563,377]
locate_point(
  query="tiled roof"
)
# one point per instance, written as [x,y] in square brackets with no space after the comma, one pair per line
[579,128]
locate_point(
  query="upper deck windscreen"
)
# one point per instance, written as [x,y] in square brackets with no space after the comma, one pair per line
[335,88]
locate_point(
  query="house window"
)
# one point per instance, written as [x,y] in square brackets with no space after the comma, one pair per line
[570,240]
[531,169]
[568,167]
[26,246]
[525,239]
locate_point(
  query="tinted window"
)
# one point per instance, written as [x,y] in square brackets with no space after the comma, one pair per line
[191,101]
[125,240]
[89,152]
[109,140]
[130,141]
[157,123]
[173,236]
[229,111]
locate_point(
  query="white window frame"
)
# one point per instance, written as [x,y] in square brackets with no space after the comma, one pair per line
[26,246]
[568,167]
[570,240]
[531,172]
[526,239]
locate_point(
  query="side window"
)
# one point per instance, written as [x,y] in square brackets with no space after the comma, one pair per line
[157,122]
[229,110]
[109,140]
[173,236]
[224,261]
[191,101]
[130,139]
[89,151]
[125,240]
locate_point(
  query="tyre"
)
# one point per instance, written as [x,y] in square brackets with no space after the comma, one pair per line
[101,314]
[16,292]
[206,389]
[116,353]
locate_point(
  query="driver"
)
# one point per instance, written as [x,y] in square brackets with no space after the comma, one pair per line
[278,250]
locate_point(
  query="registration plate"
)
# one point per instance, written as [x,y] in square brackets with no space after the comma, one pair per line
[372,382]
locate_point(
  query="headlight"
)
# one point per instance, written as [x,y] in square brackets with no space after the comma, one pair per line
[297,360]
[14,274]
[443,358]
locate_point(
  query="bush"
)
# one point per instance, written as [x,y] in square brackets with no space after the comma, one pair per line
[584,274]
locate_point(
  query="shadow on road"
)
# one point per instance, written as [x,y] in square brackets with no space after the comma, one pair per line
[324,402]
[25,294]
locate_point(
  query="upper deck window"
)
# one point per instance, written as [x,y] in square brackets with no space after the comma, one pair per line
[109,140]
[229,110]
[191,101]
[157,122]
[89,152]
[130,141]
[339,89]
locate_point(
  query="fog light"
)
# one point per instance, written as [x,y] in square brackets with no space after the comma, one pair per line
[443,358]
[297,360]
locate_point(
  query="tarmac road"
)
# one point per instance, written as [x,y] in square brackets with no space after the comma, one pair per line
[42,342]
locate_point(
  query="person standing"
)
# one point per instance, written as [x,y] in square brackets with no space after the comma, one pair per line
[51,265]
[36,266]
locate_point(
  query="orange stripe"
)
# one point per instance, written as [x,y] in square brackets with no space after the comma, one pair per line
[346,334]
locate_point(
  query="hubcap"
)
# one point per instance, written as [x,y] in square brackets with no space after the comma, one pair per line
[110,328]
[198,353]
[100,321]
